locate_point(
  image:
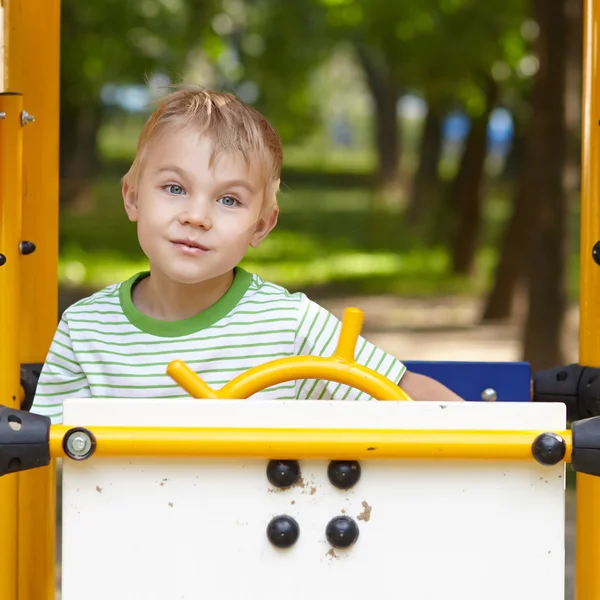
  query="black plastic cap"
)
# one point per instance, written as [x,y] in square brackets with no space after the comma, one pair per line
[585,457]
[283,473]
[283,531]
[344,474]
[24,440]
[27,248]
[549,448]
[342,532]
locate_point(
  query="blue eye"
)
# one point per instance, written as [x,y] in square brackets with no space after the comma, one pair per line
[174,189]
[228,201]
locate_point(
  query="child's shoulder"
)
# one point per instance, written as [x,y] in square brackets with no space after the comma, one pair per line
[263,291]
[273,295]
[105,300]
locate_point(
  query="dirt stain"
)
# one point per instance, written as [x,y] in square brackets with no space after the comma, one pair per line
[365,515]
[98,489]
[171,504]
[313,491]
[331,553]
[300,483]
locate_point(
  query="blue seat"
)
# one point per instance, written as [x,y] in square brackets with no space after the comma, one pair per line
[510,380]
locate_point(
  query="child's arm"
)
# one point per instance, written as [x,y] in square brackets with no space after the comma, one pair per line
[62,377]
[421,387]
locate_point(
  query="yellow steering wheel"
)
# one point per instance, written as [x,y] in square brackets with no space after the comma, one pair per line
[339,367]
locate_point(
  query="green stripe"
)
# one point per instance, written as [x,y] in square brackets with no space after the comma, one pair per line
[52,353]
[190,362]
[133,331]
[181,351]
[98,312]
[308,336]
[69,382]
[164,341]
[64,393]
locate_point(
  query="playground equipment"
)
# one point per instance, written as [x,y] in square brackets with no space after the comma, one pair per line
[518,442]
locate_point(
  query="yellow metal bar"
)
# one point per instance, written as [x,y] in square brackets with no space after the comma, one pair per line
[11,151]
[351,327]
[195,386]
[287,369]
[31,66]
[338,444]
[587,545]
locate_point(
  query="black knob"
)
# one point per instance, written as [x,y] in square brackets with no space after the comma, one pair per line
[548,448]
[2,259]
[283,473]
[343,473]
[283,531]
[27,248]
[596,252]
[342,532]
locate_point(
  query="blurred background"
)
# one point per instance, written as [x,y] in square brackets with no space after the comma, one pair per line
[432,149]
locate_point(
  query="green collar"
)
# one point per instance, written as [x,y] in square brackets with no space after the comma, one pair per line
[203,320]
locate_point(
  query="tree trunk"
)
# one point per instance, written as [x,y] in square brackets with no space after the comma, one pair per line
[543,327]
[467,189]
[384,92]
[510,269]
[79,125]
[426,185]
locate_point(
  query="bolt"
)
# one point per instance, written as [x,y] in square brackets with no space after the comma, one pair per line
[2,259]
[489,395]
[26,118]
[79,444]
[2,116]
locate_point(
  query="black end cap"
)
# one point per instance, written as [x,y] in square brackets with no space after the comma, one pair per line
[585,456]
[24,440]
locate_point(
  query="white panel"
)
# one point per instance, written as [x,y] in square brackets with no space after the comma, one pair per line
[195,528]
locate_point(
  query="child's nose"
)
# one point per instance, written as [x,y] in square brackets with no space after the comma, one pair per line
[197,215]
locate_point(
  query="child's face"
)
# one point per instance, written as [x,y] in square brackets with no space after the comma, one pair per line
[196,223]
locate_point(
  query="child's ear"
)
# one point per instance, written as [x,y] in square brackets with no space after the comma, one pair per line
[264,227]
[130,201]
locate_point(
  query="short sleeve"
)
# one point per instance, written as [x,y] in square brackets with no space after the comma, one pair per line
[61,377]
[317,335]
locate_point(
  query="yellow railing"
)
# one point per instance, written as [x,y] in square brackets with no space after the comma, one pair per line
[11,146]
[587,550]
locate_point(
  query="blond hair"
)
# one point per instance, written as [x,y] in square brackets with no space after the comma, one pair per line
[232,125]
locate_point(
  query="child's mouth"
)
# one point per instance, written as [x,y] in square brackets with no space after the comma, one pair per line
[189,247]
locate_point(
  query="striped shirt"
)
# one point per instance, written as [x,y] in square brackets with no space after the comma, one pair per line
[104,347]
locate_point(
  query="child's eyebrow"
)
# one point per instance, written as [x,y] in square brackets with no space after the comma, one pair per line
[238,183]
[172,168]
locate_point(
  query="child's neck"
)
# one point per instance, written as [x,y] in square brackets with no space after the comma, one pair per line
[163,299]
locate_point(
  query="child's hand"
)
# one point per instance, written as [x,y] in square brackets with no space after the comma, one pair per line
[421,387]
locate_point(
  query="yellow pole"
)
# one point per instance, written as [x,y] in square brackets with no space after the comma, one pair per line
[587,548]
[296,444]
[11,148]
[32,53]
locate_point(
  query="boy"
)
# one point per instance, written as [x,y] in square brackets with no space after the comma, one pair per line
[202,190]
